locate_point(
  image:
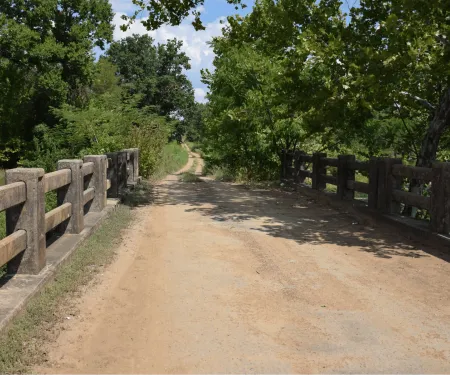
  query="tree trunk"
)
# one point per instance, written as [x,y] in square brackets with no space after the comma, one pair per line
[437,126]
[430,144]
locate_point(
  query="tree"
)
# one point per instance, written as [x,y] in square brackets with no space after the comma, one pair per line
[46,60]
[154,72]
[302,72]
[397,56]
[171,12]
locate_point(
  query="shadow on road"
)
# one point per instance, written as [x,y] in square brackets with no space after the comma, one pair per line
[291,216]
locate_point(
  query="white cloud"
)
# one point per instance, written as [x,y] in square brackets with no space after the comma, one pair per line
[123,6]
[200,95]
[194,42]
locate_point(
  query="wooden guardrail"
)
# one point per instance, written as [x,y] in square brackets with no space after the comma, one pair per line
[385,187]
[81,186]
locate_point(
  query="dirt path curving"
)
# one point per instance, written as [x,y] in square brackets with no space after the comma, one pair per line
[216,278]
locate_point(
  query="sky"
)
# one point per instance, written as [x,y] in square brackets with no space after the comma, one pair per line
[194,42]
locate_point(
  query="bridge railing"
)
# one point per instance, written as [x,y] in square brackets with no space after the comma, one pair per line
[386,187]
[81,186]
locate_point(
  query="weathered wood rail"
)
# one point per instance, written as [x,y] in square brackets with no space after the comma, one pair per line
[385,183]
[81,186]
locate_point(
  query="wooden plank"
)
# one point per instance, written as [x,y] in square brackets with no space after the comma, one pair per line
[88,168]
[330,162]
[411,199]
[328,179]
[440,198]
[57,216]
[345,174]
[56,180]
[12,245]
[108,184]
[361,187]
[308,158]
[12,195]
[410,172]
[359,165]
[88,195]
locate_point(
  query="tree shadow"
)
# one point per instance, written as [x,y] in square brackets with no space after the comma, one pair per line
[140,195]
[292,216]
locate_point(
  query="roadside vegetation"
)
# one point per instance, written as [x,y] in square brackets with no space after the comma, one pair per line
[173,158]
[304,75]
[190,175]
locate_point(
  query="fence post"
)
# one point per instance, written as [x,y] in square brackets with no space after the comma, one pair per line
[283,165]
[345,174]
[289,160]
[112,175]
[318,169]
[73,193]
[130,166]
[137,155]
[122,174]
[117,173]
[98,181]
[373,183]
[299,165]
[30,217]
[440,198]
[133,164]
[387,183]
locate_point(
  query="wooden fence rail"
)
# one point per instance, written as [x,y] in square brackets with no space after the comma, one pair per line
[81,186]
[385,188]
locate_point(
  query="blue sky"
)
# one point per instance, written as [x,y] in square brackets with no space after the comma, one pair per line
[194,42]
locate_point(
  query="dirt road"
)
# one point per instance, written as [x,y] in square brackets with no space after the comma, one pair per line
[215,278]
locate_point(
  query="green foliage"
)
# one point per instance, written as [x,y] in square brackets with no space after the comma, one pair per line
[172,158]
[300,74]
[114,119]
[46,61]
[171,12]
[189,177]
[156,72]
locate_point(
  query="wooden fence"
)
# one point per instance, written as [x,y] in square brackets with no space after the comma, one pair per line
[81,186]
[385,184]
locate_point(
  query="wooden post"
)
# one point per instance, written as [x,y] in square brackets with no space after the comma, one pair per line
[283,165]
[373,183]
[289,160]
[98,181]
[133,164]
[345,174]
[299,165]
[386,184]
[440,198]
[30,217]
[113,174]
[318,169]
[122,176]
[73,193]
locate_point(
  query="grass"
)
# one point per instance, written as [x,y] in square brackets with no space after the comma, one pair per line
[195,147]
[22,345]
[190,175]
[173,158]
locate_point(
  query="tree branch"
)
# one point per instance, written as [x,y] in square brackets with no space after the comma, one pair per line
[421,101]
